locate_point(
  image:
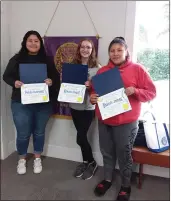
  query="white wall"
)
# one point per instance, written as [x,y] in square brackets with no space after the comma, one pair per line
[7,128]
[111,18]
[71,19]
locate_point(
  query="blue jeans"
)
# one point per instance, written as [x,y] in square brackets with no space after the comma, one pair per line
[30,119]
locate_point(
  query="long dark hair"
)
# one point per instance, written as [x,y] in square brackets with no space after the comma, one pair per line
[23,53]
[92,62]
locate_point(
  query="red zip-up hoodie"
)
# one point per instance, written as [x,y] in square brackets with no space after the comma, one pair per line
[133,75]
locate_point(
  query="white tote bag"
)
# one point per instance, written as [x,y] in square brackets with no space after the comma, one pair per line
[156,133]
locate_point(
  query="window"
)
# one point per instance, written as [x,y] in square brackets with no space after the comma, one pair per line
[152,51]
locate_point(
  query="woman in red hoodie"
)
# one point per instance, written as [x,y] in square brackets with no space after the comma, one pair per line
[117,134]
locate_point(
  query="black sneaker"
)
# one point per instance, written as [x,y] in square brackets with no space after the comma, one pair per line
[80,169]
[90,171]
[102,188]
[124,194]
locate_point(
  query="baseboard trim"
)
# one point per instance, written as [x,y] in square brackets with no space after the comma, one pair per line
[74,154]
[10,149]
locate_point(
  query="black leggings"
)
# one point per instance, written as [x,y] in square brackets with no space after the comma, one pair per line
[82,121]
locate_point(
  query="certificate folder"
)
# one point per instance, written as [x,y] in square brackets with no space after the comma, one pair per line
[74,73]
[32,73]
[107,82]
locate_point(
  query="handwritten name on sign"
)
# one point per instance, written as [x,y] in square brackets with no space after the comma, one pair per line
[72,91]
[34,91]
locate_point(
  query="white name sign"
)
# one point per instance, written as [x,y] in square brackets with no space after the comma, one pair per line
[34,93]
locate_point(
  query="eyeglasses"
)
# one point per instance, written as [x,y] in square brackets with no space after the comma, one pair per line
[86,47]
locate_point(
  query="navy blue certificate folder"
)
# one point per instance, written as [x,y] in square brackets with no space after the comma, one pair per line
[107,82]
[32,73]
[74,73]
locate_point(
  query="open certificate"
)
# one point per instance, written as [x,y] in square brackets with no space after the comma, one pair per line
[112,98]
[113,103]
[72,88]
[34,93]
[71,93]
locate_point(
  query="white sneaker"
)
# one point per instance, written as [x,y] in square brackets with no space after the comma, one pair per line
[21,168]
[37,167]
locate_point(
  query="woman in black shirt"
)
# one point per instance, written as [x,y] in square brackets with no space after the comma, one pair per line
[31,118]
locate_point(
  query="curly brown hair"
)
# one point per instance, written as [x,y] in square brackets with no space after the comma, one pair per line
[92,62]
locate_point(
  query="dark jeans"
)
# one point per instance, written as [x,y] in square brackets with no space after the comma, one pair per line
[82,121]
[30,119]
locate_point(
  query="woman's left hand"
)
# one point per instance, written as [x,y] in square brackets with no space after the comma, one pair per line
[129,91]
[48,82]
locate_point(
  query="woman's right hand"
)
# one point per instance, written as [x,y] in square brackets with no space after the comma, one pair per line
[18,84]
[88,84]
[94,98]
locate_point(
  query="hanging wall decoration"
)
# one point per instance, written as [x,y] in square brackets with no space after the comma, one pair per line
[62,50]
